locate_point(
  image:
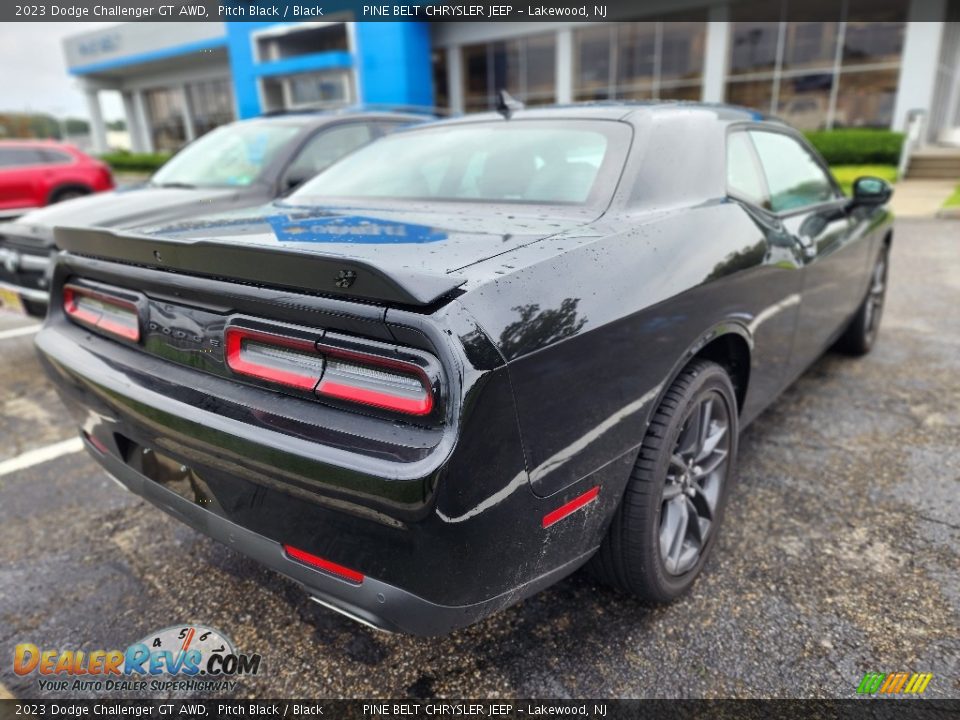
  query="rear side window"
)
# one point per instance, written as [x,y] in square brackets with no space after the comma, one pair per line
[744,175]
[19,157]
[794,177]
[56,157]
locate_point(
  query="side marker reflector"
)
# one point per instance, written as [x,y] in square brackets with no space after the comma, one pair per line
[578,502]
[321,564]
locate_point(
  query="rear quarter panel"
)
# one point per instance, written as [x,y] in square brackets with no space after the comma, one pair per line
[594,333]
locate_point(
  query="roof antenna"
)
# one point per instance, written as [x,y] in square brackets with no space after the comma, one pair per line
[507,105]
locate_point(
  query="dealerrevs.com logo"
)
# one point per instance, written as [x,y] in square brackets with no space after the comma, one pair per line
[186,658]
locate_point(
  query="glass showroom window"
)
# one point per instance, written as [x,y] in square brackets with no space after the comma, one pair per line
[309,90]
[165,108]
[289,41]
[526,67]
[211,103]
[640,60]
[796,69]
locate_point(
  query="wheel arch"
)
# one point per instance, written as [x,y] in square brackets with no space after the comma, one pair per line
[57,190]
[728,344]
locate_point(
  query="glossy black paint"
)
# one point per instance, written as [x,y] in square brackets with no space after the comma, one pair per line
[556,334]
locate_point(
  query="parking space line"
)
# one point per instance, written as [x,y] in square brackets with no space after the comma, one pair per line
[40,455]
[19,332]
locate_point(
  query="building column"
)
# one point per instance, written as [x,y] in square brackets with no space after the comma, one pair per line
[187,111]
[564,66]
[918,63]
[455,79]
[146,132]
[133,123]
[716,53]
[98,131]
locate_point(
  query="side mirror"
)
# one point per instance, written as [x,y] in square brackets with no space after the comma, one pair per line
[871,191]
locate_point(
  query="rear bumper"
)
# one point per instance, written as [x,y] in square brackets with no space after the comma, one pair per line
[443,536]
[27,293]
[28,275]
[371,602]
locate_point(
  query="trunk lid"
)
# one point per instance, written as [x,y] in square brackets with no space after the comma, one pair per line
[388,255]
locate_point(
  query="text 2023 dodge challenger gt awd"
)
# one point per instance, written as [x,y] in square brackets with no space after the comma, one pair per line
[472,356]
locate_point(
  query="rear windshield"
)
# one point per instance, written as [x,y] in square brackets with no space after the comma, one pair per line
[231,155]
[521,161]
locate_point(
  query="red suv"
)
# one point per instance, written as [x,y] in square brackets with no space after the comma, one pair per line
[37,173]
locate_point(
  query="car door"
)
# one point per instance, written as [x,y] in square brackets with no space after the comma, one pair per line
[326,147]
[20,169]
[773,288]
[810,208]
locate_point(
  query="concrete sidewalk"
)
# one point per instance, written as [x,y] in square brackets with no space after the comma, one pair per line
[920,198]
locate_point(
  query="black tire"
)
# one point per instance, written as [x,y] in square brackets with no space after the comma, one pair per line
[68,193]
[861,334]
[630,558]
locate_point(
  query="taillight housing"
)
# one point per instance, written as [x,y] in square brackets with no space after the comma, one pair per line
[374,380]
[103,311]
[382,378]
[280,359]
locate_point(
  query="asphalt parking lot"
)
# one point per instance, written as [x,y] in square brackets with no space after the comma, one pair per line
[839,554]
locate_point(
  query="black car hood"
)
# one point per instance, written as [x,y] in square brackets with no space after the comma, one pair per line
[389,254]
[120,208]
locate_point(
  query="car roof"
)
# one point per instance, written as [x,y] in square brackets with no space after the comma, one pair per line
[37,142]
[319,118]
[629,111]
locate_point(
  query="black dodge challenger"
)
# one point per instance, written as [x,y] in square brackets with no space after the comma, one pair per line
[474,355]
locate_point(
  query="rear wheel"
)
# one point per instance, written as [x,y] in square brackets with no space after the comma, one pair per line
[861,334]
[68,194]
[672,508]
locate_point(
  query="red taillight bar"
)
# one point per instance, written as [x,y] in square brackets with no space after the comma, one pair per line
[330,387]
[578,502]
[330,371]
[243,365]
[72,298]
[318,562]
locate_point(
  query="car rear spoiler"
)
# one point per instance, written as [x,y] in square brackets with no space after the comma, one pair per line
[276,267]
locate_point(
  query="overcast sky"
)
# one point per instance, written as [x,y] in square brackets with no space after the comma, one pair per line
[33,72]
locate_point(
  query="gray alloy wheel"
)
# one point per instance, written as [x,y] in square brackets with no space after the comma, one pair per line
[667,522]
[873,306]
[861,334]
[694,482]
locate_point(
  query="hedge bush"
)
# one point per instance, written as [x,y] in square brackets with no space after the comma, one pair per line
[857,146]
[123,161]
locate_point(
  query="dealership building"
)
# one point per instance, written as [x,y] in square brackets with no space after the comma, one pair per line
[863,64]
